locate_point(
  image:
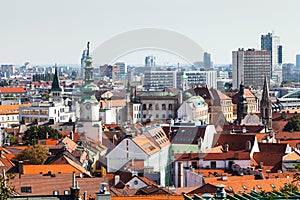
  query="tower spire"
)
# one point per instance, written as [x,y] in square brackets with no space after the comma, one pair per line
[88,49]
[242,107]
[55,82]
[265,94]
[266,106]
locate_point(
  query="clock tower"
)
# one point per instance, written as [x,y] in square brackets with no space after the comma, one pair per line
[89,105]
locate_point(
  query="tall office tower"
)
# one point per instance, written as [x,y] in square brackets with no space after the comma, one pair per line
[207,60]
[82,63]
[298,60]
[250,67]
[123,67]
[270,42]
[207,77]
[150,61]
[280,55]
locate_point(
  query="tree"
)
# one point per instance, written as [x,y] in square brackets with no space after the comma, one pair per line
[293,124]
[6,189]
[35,133]
[36,154]
[289,189]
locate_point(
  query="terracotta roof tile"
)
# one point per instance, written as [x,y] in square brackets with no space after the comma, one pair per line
[12,90]
[230,155]
[146,145]
[238,182]
[54,168]
[149,197]
[45,185]
[236,142]
[9,109]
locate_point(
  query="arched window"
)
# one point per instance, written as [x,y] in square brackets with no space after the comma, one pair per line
[156,106]
[144,107]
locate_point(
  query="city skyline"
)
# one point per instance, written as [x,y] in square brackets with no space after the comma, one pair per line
[49,32]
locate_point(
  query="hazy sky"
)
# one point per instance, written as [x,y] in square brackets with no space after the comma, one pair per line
[44,32]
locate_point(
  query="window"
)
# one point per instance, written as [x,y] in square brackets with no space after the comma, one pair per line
[170,107]
[156,106]
[135,182]
[144,107]
[213,164]
[26,189]
[163,106]
[258,186]
[150,106]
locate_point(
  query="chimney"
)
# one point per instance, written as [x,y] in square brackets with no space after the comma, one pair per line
[236,155]
[117,179]
[226,147]
[283,115]
[71,135]
[248,145]
[180,174]
[20,168]
[74,189]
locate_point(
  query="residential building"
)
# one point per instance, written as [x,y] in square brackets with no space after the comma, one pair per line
[157,105]
[56,109]
[250,67]
[218,103]
[202,77]
[9,115]
[160,79]
[152,148]
[193,108]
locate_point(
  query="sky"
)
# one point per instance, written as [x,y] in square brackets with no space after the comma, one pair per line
[56,31]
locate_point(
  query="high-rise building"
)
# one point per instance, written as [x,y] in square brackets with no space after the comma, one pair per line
[82,63]
[270,42]
[250,67]
[279,54]
[206,77]
[207,60]
[123,67]
[150,61]
[298,60]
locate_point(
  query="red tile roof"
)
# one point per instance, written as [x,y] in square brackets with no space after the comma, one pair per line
[45,185]
[230,155]
[236,142]
[12,90]
[54,168]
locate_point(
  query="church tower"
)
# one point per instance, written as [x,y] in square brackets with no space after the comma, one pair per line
[242,107]
[55,88]
[266,107]
[89,105]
